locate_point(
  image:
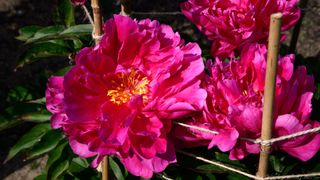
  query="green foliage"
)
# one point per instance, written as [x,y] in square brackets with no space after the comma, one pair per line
[29,139]
[116,169]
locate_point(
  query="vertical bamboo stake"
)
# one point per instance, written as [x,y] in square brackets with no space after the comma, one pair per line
[269,91]
[96,19]
[105,167]
[125,7]
[97,32]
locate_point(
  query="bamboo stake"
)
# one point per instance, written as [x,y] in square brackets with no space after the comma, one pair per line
[97,32]
[97,19]
[269,91]
[105,167]
[125,7]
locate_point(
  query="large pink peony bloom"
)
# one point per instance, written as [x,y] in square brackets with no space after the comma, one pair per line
[234,107]
[233,23]
[120,97]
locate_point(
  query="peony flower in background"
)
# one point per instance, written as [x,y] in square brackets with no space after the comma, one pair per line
[231,24]
[234,107]
[78,2]
[120,97]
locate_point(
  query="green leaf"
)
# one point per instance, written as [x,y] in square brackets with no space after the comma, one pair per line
[18,94]
[20,112]
[77,165]
[48,142]
[223,157]
[55,154]
[39,101]
[29,139]
[66,12]
[234,176]
[115,169]
[78,30]
[62,71]
[276,164]
[211,177]
[59,169]
[77,44]
[81,162]
[42,50]
[38,117]
[71,33]
[45,32]
[317,93]
[209,169]
[42,176]
[27,32]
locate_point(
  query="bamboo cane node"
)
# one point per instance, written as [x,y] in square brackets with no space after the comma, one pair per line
[96,10]
[266,149]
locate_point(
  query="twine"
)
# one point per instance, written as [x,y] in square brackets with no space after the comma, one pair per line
[96,37]
[224,166]
[164,177]
[256,141]
[87,14]
[219,164]
[292,176]
[197,128]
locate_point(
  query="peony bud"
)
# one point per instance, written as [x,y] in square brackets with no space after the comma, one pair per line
[78,2]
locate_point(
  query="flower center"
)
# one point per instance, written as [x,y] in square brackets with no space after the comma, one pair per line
[126,85]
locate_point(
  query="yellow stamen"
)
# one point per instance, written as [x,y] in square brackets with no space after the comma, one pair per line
[126,85]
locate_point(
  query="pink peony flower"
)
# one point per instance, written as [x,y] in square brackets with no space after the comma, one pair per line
[78,2]
[120,97]
[233,23]
[234,107]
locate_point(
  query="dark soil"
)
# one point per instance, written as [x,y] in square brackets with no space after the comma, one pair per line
[15,14]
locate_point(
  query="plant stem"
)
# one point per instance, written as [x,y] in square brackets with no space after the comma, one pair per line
[87,14]
[125,7]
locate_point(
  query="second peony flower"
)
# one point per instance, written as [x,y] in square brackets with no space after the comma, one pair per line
[231,24]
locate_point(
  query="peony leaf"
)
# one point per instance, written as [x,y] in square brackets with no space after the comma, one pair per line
[317,93]
[55,154]
[78,30]
[116,169]
[78,165]
[45,32]
[223,157]
[29,139]
[42,50]
[62,71]
[233,176]
[47,143]
[209,169]
[38,117]
[58,170]
[60,33]
[19,94]
[41,177]
[27,32]
[21,112]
